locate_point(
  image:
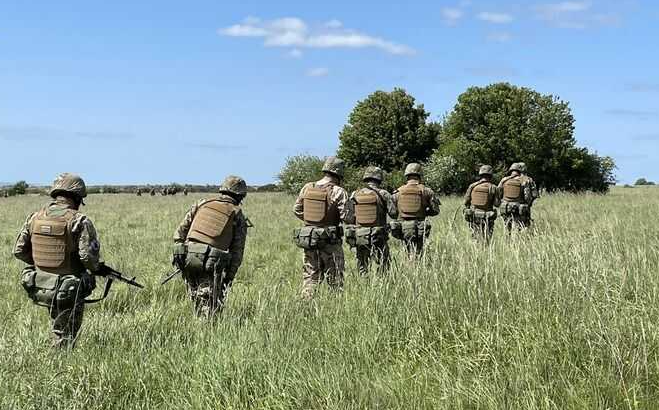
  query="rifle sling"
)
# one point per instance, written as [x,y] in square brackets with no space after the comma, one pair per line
[106,291]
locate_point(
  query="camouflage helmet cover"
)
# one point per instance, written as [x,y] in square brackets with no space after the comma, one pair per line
[70,183]
[485,170]
[375,173]
[234,185]
[413,169]
[517,166]
[335,166]
[522,167]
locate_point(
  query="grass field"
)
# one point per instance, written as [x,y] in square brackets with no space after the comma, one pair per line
[567,318]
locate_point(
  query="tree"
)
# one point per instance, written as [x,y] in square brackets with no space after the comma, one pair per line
[387,129]
[298,170]
[643,181]
[19,188]
[501,124]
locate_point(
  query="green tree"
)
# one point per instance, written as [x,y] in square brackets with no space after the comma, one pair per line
[19,188]
[501,124]
[387,129]
[298,170]
[643,181]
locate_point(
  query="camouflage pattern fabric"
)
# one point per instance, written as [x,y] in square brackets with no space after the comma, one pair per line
[482,228]
[200,288]
[327,262]
[66,320]
[431,203]
[509,210]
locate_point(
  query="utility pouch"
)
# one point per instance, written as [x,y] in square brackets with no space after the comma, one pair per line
[491,215]
[310,237]
[396,228]
[41,287]
[468,214]
[370,237]
[351,238]
[479,214]
[410,230]
[334,234]
[195,261]
[70,291]
[217,260]
[524,210]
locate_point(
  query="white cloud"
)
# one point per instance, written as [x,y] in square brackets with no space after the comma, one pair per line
[495,18]
[569,14]
[318,72]
[500,37]
[295,53]
[451,15]
[294,32]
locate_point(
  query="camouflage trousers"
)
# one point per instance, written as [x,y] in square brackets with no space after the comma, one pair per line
[516,221]
[481,229]
[414,246]
[207,293]
[380,254]
[66,323]
[320,264]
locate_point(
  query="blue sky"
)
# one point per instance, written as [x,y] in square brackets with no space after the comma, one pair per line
[163,91]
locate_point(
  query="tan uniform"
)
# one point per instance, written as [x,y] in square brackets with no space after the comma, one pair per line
[369,215]
[327,261]
[81,253]
[517,194]
[415,202]
[223,215]
[480,201]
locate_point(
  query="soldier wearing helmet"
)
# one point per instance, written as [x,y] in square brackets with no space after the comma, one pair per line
[480,203]
[517,192]
[368,208]
[60,246]
[209,246]
[414,203]
[322,205]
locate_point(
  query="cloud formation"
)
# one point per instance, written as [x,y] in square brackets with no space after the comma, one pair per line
[318,72]
[575,14]
[295,33]
[495,18]
[451,15]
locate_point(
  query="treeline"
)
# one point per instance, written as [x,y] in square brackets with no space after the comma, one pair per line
[497,125]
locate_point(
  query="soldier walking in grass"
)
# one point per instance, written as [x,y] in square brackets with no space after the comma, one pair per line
[322,205]
[368,208]
[60,246]
[414,202]
[480,203]
[517,192]
[138,192]
[209,246]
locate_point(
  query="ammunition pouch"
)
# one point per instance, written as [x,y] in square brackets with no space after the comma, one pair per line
[415,230]
[203,259]
[510,209]
[351,236]
[48,289]
[481,216]
[312,237]
[396,229]
[178,255]
[371,237]
[468,214]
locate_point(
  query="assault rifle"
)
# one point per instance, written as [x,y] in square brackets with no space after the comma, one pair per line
[110,276]
[170,276]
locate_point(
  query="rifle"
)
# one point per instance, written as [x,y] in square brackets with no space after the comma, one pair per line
[170,276]
[110,276]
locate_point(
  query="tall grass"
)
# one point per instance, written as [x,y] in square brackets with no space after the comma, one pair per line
[564,318]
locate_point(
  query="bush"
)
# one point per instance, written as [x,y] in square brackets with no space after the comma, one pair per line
[298,170]
[643,181]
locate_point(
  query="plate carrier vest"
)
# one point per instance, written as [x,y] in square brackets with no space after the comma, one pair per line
[53,247]
[410,201]
[367,208]
[213,224]
[480,196]
[317,209]
[512,190]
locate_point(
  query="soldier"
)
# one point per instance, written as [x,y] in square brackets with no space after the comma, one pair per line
[368,208]
[480,202]
[517,192]
[185,191]
[5,194]
[153,192]
[209,246]
[60,245]
[414,203]
[322,205]
[138,192]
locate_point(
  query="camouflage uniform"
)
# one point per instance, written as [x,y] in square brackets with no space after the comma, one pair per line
[138,192]
[371,221]
[517,192]
[480,202]
[153,192]
[327,260]
[428,206]
[67,314]
[209,285]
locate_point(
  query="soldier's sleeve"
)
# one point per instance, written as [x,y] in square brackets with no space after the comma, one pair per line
[392,210]
[351,209]
[531,191]
[341,201]
[89,248]
[23,246]
[181,233]
[467,198]
[495,195]
[433,202]
[237,248]
[298,208]
[394,203]
[500,188]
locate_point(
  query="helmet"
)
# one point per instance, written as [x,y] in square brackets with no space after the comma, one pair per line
[517,166]
[485,170]
[522,167]
[334,165]
[373,173]
[234,185]
[413,169]
[70,183]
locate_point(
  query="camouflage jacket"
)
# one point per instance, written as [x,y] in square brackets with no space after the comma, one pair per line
[83,231]
[338,198]
[529,189]
[429,199]
[237,247]
[493,193]
[390,207]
